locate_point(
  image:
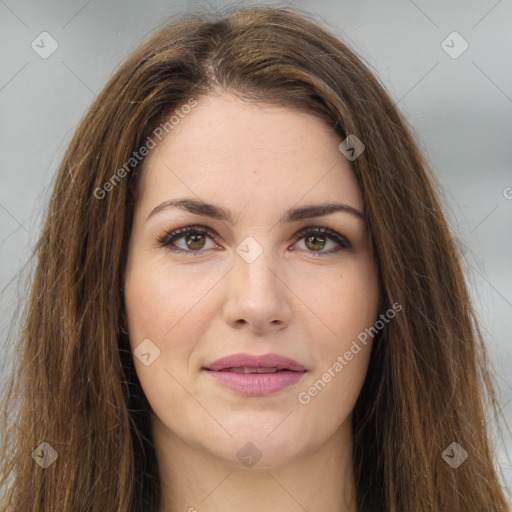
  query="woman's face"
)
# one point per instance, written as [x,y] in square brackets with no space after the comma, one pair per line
[247,284]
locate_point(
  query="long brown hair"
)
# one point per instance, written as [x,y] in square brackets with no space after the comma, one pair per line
[74,385]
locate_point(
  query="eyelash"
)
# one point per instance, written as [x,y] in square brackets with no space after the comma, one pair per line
[167,238]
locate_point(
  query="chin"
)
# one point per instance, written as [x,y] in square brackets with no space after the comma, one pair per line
[257,450]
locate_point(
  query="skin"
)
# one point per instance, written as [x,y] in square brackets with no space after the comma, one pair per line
[258,162]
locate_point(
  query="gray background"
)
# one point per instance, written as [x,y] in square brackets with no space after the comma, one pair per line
[460,109]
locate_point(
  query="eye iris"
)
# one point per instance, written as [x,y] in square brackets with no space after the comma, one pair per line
[194,238]
[315,238]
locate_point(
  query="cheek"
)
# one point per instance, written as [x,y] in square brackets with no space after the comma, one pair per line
[344,301]
[159,299]
[348,306]
[159,309]
[332,395]
[170,308]
[345,305]
[145,303]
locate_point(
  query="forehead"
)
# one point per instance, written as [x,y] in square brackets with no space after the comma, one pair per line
[238,152]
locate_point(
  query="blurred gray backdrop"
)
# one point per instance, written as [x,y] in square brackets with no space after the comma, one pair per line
[447,64]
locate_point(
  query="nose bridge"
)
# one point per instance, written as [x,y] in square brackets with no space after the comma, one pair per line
[254,266]
[256,294]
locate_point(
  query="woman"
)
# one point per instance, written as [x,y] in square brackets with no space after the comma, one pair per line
[247,296]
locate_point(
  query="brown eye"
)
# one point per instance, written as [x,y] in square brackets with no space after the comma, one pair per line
[315,242]
[194,240]
[316,239]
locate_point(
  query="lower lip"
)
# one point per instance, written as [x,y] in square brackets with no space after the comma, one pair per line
[255,384]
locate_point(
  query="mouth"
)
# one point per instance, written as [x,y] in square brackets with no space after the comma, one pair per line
[248,363]
[247,369]
[253,382]
[256,375]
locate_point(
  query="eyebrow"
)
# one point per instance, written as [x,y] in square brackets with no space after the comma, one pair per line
[216,212]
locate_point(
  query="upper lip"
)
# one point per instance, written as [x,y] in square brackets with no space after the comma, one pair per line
[256,361]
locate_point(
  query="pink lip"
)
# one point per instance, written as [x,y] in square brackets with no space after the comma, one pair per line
[256,383]
[262,361]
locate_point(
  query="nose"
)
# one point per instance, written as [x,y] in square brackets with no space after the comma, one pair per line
[258,297]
